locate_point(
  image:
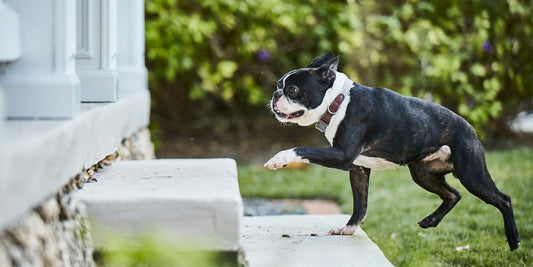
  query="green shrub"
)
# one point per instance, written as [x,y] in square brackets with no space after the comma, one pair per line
[470,56]
[223,56]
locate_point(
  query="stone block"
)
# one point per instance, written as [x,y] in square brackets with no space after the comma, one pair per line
[193,203]
[303,240]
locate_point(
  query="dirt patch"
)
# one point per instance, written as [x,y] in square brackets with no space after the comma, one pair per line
[266,207]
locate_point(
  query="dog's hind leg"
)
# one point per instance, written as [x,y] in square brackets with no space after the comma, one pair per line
[359,182]
[471,169]
[434,182]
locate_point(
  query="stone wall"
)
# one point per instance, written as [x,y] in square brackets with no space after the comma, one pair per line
[57,231]
[137,147]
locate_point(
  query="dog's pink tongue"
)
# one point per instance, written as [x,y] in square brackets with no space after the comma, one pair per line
[287,116]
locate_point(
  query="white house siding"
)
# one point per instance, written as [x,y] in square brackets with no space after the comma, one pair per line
[70,99]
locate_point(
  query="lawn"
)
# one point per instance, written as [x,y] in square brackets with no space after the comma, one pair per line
[396,204]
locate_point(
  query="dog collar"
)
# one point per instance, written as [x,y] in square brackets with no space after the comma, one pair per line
[323,123]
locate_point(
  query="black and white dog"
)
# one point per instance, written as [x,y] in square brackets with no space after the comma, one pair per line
[376,128]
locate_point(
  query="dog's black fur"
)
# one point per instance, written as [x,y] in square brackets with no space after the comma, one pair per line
[380,123]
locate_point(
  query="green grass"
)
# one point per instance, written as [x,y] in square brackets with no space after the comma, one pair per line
[149,250]
[396,204]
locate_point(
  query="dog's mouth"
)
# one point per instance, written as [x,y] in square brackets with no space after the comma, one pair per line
[293,115]
[280,114]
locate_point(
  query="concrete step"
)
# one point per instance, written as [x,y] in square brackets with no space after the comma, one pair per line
[291,241]
[194,203]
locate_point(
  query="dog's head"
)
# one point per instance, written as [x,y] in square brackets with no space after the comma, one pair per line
[299,92]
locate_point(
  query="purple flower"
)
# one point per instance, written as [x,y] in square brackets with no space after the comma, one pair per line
[262,55]
[487,46]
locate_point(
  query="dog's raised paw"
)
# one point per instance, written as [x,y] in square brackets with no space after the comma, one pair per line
[346,230]
[280,160]
[283,158]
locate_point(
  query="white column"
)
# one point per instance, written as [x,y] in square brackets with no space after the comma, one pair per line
[43,82]
[10,34]
[9,51]
[2,118]
[9,48]
[130,46]
[96,57]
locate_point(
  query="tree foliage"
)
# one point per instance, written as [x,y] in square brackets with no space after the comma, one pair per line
[222,57]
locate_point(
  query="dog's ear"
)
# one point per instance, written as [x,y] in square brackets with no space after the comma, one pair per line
[327,71]
[317,62]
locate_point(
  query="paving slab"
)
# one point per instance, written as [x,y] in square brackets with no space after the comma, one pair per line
[303,240]
[191,202]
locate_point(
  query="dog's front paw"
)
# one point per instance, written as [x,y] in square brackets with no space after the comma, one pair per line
[283,158]
[346,230]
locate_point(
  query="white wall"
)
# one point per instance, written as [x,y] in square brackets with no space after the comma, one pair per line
[50,136]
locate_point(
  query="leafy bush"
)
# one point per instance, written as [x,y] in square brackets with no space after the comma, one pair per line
[470,56]
[222,57]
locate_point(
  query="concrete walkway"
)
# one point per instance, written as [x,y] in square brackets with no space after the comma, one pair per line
[303,240]
[196,204]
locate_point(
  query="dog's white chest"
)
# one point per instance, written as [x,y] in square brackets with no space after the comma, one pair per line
[374,163]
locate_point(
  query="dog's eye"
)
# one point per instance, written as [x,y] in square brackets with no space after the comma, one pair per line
[292,90]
